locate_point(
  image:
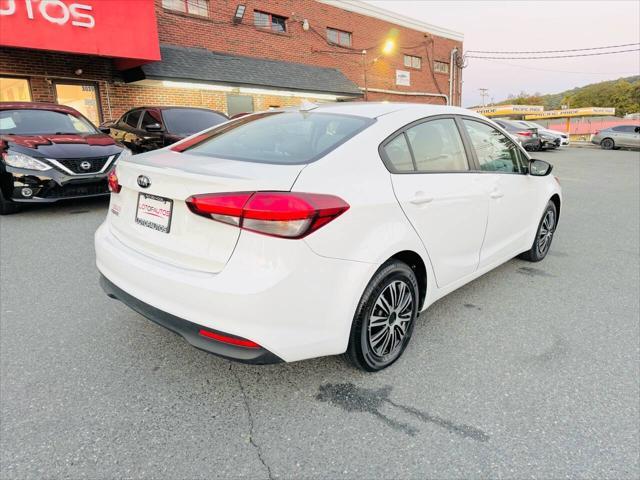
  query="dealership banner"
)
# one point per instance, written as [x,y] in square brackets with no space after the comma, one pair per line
[573,112]
[119,29]
[508,110]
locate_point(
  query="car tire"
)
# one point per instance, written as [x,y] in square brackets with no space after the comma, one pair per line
[385,317]
[7,207]
[544,235]
[607,144]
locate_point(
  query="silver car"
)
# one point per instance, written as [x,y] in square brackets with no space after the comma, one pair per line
[619,136]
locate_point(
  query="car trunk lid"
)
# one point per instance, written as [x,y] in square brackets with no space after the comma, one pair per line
[155,219]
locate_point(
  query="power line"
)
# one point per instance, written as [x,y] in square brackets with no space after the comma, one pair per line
[559,71]
[555,51]
[556,56]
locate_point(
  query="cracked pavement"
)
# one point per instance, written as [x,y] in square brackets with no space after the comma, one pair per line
[530,371]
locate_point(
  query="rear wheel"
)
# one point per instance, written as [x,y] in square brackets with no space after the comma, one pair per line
[7,206]
[544,235]
[607,144]
[385,317]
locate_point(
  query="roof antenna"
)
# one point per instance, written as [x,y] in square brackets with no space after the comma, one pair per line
[307,106]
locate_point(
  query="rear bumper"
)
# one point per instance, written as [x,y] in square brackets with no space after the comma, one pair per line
[277,293]
[189,330]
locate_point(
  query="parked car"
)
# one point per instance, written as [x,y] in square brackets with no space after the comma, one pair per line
[619,136]
[293,234]
[148,128]
[51,152]
[564,138]
[528,136]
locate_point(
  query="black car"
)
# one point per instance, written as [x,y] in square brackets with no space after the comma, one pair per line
[51,152]
[149,128]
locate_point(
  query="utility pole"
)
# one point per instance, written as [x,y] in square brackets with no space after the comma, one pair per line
[484,94]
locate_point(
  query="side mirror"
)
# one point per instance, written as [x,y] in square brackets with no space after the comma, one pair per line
[106,130]
[539,168]
[154,127]
[637,129]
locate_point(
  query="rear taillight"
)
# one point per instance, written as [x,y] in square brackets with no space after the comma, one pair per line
[237,341]
[114,186]
[597,132]
[524,134]
[279,214]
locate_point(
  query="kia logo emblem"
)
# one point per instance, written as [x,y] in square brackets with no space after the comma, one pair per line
[144,181]
[85,165]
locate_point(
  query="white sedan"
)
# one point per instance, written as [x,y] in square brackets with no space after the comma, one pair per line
[287,235]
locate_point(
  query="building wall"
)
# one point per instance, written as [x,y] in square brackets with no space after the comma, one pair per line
[44,68]
[218,33]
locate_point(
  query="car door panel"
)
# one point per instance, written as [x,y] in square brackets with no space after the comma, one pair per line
[511,216]
[446,204]
[512,195]
[449,211]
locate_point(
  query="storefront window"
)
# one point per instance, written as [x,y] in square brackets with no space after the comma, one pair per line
[14,90]
[82,97]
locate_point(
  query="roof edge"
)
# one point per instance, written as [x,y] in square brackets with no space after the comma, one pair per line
[363,8]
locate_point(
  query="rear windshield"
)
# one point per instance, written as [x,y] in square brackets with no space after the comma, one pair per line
[281,137]
[187,121]
[41,122]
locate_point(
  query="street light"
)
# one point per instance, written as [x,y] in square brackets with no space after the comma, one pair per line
[389,46]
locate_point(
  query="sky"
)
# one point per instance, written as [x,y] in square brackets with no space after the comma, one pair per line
[532,26]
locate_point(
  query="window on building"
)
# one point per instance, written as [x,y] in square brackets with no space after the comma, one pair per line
[412,61]
[193,7]
[81,96]
[14,90]
[440,67]
[339,37]
[269,21]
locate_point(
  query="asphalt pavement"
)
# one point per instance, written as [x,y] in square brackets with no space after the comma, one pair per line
[531,371]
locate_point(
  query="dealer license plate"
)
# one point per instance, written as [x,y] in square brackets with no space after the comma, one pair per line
[154,212]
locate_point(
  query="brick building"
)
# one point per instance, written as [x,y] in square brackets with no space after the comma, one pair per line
[230,55]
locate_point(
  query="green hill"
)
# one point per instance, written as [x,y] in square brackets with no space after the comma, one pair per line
[623,94]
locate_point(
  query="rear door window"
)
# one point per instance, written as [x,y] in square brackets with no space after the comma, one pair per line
[133,118]
[281,137]
[437,146]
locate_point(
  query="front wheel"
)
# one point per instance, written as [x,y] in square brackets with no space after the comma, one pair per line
[384,320]
[607,144]
[544,235]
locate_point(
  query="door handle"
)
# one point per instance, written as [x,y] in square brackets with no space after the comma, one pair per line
[420,199]
[496,194]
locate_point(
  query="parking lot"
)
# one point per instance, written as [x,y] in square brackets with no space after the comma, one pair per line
[529,371]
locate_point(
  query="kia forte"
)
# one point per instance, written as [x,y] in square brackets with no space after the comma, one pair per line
[291,234]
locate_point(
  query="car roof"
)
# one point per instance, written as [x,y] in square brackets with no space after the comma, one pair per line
[378,109]
[169,107]
[56,107]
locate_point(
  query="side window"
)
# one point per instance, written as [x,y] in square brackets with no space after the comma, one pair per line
[495,152]
[150,117]
[437,146]
[399,155]
[132,118]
